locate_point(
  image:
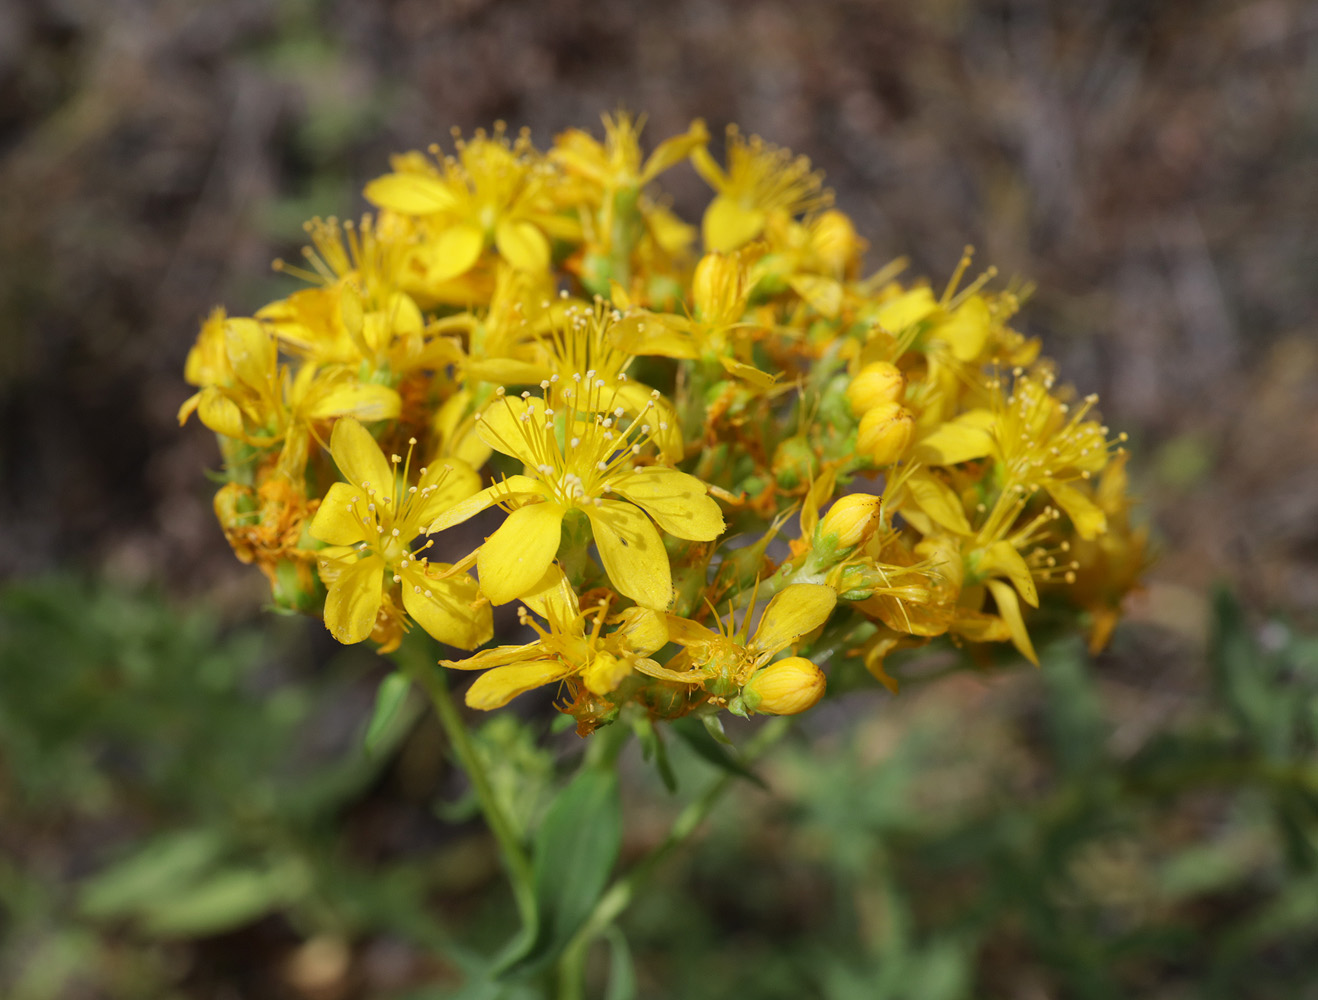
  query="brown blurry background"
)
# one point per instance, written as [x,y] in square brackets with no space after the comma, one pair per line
[1152,166]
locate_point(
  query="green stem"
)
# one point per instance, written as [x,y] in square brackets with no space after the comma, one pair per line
[617,897]
[413,660]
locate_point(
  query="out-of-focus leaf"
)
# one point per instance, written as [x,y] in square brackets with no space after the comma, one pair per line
[622,971]
[575,850]
[388,700]
[1237,668]
[223,901]
[152,874]
[697,736]
[653,748]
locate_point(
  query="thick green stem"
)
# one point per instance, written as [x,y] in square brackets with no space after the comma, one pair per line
[420,665]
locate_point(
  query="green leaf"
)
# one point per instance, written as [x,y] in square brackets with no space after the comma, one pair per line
[222,902]
[153,873]
[697,736]
[388,700]
[575,850]
[622,971]
[652,748]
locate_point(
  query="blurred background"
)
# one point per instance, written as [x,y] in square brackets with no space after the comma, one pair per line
[1085,831]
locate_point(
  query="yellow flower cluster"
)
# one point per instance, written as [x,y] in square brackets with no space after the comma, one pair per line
[536,334]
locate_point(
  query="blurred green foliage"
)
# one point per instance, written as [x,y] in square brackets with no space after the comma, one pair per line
[165,782]
[930,870]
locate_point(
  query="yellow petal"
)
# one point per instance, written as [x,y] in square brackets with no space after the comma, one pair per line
[410,194]
[337,520]
[906,310]
[677,501]
[605,672]
[967,330]
[523,245]
[496,687]
[727,225]
[643,630]
[685,632]
[633,397]
[794,611]
[961,440]
[821,489]
[823,294]
[504,371]
[654,333]
[500,656]
[220,413]
[251,351]
[188,408]
[444,607]
[554,600]
[748,373]
[512,488]
[514,558]
[1087,516]
[454,252]
[632,553]
[443,484]
[707,167]
[502,428]
[360,459]
[353,600]
[673,151]
[939,501]
[719,288]
[363,401]
[652,669]
[403,314]
[1010,610]
[1002,559]
[670,232]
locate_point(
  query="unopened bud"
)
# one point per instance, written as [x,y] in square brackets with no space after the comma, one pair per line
[836,243]
[794,462]
[877,383]
[717,287]
[786,687]
[852,519]
[884,433]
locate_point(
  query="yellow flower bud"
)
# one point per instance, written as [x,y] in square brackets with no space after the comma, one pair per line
[786,687]
[834,240]
[718,288]
[877,383]
[884,433]
[852,519]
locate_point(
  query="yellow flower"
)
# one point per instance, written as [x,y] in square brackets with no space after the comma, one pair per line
[371,521]
[626,234]
[723,662]
[581,454]
[615,164]
[493,193]
[720,291]
[568,650]
[761,180]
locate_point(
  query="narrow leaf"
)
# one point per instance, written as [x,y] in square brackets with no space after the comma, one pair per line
[622,970]
[388,700]
[575,850]
[695,735]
